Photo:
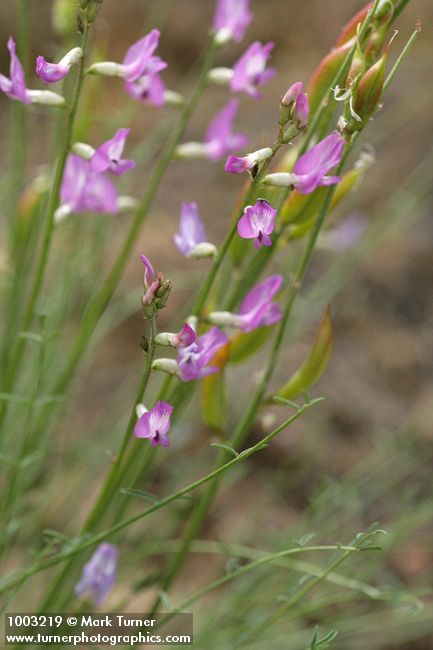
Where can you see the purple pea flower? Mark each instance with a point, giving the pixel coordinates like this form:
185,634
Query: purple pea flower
84,190
141,70
256,309
155,424
297,101
257,222
311,169
108,155
182,339
52,72
191,229
219,138
249,71
240,164
99,574
15,86
193,361
231,19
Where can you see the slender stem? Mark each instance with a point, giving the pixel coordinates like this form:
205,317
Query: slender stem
401,58
208,283
104,295
265,559
18,578
47,236
199,513
112,481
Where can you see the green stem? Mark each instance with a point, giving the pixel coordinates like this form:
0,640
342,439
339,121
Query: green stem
222,251
104,295
112,481
17,579
47,236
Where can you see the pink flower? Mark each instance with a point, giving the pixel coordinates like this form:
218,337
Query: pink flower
15,86
191,229
193,361
155,424
240,164
257,222
184,338
52,72
257,308
140,70
219,138
99,574
312,168
84,190
108,155
249,71
232,16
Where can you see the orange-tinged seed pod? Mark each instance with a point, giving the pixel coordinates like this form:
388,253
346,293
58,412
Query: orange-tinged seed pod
244,344
349,30
324,74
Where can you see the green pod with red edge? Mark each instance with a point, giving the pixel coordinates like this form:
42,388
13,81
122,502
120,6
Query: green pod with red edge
244,344
350,28
324,74
214,393
368,93
315,363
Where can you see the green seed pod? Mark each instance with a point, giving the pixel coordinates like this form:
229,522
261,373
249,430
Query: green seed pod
368,93
315,363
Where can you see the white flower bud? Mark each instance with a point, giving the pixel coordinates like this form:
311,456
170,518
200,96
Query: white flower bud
223,36
71,57
223,318
204,249
106,69
140,410
280,179
46,98
220,76
191,150
127,203
165,338
173,98
62,212
84,150
166,365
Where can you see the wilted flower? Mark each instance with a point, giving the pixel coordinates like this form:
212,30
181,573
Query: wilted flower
257,222
84,190
219,138
152,281
108,155
231,19
140,70
99,574
15,86
154,424
191,238
51,72
240,164
250,71
311,169
256,309
193,361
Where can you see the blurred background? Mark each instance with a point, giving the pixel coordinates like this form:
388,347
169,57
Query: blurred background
366,454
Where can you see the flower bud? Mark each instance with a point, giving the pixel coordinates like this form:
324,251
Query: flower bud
83,149
106,69
166,365
204,249
220,76
162,293
173,99
46,98
279,179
